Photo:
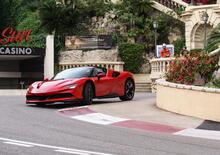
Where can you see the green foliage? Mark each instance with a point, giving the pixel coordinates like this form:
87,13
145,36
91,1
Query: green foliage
72,17
53,17
166,25
138,18
132,55
214,39
23,15
135,17
216,83
8,12
179,44
185,70
180,10
97,7
117,39
37,37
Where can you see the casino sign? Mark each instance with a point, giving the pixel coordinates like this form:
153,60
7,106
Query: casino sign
19,64
21,51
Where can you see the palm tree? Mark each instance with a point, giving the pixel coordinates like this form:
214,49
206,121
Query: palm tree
214,39
57,18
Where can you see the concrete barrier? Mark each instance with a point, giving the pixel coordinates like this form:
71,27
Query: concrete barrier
188,100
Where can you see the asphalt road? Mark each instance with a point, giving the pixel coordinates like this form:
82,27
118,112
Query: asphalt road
31,130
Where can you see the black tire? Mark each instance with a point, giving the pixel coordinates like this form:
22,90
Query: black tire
129,90
88,94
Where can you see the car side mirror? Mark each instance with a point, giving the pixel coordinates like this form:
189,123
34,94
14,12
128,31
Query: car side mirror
46,79
100,75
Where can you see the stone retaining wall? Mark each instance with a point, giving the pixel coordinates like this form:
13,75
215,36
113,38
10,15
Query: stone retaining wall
88,56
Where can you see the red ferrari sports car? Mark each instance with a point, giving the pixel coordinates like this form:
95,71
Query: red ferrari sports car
82,84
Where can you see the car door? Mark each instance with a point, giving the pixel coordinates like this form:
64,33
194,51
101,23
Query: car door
118,83
104,85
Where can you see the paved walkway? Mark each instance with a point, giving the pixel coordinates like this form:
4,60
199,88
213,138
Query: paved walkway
143,108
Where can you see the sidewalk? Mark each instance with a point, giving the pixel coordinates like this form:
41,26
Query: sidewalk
143,108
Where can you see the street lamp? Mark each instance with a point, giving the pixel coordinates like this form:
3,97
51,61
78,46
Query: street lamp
205,17
155,25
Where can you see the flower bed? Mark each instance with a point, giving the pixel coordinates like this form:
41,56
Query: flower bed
195,68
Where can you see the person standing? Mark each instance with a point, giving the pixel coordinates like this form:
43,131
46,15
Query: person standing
164,53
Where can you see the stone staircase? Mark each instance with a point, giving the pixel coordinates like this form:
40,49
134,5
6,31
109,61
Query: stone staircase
143,87
170,7
142,82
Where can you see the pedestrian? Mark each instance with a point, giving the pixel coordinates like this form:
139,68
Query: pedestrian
164,53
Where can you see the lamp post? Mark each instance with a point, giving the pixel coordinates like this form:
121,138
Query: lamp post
155,25
205,17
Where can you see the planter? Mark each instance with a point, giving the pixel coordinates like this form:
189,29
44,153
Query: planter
188,100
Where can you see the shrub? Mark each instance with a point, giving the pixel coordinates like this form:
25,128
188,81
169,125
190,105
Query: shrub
216,83
178,45
192,67
132,55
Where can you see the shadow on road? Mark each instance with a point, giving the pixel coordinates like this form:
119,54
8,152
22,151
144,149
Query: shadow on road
61,105
209,125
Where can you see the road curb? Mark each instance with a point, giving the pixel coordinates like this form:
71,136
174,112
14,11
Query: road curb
87,115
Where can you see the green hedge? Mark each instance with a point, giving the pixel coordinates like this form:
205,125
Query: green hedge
132,55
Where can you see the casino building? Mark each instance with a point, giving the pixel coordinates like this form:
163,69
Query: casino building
21,66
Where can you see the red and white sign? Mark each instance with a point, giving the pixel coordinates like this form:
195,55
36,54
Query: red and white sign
9,35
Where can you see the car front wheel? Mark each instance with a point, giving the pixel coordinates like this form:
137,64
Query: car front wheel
88,94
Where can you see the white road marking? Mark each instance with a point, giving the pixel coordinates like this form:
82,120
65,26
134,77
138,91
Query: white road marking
18,144
98,118
72,152
198,133
51,147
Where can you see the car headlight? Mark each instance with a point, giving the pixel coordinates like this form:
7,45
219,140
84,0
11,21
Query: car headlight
29,88
71,86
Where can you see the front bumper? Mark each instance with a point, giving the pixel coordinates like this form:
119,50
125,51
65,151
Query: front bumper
48,98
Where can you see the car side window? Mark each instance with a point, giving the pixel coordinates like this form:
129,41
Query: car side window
97,71
115,74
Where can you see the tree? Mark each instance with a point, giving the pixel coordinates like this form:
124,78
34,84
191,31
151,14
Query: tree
8,12
137,17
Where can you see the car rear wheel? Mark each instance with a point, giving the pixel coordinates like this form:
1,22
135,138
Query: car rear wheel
128,91
88,94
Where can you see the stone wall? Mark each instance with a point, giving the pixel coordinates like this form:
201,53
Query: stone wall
89,56
99,56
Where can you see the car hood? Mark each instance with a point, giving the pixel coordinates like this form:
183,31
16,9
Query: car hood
51,85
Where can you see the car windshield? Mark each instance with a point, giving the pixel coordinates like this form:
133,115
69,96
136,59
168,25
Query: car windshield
74,73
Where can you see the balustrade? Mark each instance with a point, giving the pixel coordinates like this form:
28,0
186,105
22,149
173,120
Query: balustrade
118,66
175,5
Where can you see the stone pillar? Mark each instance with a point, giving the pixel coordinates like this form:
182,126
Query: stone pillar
49,57
119,66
